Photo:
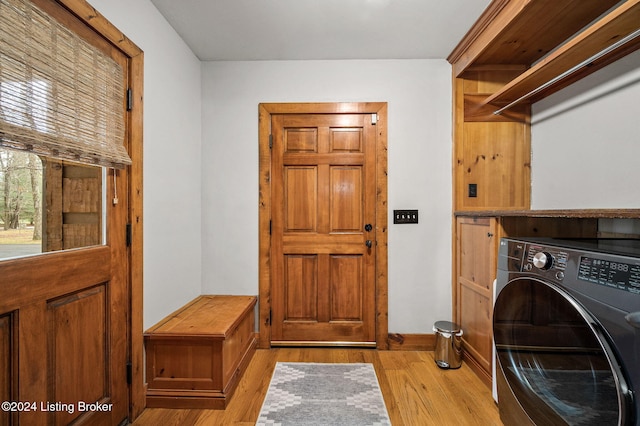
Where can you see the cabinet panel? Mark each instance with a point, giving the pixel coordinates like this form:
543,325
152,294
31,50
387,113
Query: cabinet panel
475,259
476,250
475,321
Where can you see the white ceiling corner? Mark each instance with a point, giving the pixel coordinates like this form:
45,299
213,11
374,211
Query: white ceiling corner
239,30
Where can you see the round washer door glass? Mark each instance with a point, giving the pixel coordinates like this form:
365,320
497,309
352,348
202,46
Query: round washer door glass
555,362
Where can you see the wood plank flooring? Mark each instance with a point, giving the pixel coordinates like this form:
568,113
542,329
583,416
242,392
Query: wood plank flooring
415,390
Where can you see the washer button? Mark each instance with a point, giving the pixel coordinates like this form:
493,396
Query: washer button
560,275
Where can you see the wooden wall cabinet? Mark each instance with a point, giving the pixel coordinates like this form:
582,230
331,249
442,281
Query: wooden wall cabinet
518,51
492,153
523,51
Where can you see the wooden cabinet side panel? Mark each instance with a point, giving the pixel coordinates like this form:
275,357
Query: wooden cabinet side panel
476,248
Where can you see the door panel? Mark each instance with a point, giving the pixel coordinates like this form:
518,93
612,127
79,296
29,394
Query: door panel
347,287
323,188
346,140
346,199
78,346
300,140
301,285
300,198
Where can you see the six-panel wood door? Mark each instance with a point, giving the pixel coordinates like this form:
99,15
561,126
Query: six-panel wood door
323,253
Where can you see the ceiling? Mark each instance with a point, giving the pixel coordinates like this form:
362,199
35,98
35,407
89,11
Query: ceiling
239,30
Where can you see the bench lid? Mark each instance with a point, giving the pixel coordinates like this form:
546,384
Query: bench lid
205,316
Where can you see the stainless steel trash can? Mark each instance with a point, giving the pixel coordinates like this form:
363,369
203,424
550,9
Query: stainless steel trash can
448,351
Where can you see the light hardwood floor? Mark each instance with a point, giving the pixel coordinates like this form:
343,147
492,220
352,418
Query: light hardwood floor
415,390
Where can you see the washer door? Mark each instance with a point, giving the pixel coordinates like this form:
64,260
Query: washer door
555,358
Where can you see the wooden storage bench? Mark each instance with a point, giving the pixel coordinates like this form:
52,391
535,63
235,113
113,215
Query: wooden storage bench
196,356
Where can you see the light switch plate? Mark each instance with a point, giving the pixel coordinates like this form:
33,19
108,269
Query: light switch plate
405,216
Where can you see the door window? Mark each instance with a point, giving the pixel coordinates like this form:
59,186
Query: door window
48,205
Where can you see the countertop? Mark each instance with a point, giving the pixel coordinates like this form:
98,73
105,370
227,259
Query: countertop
572,213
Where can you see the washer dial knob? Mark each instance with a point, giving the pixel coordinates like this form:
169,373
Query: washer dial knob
542,260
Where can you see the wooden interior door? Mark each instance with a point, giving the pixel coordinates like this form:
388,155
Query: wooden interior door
65,316
323,250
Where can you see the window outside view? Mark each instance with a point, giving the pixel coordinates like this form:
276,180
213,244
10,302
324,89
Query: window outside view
48,205
20,204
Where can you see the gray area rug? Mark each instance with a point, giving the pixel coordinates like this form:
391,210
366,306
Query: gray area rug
323,394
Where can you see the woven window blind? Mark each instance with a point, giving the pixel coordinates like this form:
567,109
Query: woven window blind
59,96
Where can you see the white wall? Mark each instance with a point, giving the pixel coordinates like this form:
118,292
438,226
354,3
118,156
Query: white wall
172,175
586,142
418,93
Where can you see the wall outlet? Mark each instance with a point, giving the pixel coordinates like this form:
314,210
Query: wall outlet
405,216
473,190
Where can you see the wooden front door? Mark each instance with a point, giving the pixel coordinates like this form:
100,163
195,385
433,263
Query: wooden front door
323,246
65,316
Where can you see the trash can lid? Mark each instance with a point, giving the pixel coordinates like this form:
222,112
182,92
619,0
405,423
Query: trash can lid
446,326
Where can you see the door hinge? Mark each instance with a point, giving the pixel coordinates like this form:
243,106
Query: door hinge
128,234
129,99
270,141
129,373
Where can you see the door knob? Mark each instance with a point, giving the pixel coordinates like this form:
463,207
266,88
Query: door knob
368,227
369,243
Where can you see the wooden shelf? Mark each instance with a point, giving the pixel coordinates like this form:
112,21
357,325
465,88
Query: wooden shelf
614,26
545,38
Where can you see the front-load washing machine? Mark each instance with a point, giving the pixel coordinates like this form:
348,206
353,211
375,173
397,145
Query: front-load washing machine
566,326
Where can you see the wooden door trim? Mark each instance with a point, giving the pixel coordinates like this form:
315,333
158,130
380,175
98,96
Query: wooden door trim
101,26
265,111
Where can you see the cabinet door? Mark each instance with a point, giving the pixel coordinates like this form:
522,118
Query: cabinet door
475,272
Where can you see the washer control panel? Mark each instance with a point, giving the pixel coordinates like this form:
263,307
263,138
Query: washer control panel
546,258
620,275
543,261
604,270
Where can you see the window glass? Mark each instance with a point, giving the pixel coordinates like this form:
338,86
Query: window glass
48,205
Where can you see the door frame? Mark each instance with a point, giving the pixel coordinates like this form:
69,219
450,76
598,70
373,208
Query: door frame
265,111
